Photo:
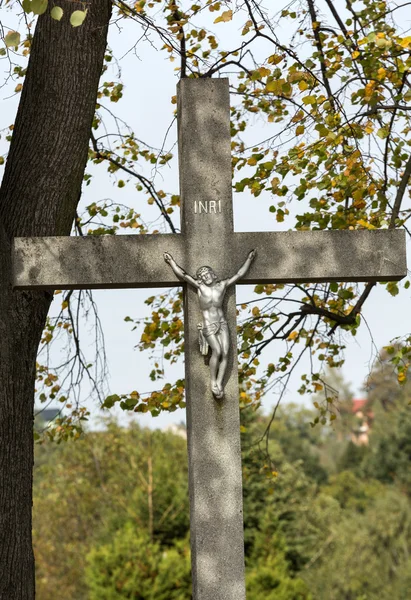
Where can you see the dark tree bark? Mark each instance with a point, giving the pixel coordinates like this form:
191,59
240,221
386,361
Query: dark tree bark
38,196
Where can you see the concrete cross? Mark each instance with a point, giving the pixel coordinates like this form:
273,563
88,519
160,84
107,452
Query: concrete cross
207,237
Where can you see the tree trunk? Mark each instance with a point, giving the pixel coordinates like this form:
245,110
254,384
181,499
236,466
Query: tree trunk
38,196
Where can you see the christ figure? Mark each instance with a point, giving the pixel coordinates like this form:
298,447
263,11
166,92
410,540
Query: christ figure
213,331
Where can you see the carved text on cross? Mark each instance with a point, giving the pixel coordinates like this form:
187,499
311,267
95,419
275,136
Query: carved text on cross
208,238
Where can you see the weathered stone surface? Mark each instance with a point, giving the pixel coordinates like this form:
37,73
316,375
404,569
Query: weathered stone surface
215,477
130,261
311,256
123,261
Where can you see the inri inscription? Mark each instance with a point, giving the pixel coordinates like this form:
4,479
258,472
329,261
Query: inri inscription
208,206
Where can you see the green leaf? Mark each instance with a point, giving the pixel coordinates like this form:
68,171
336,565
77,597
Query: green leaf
27,6
334,287
12,39
392,288
110,401
77,17
39,6
383,133
56,13
345,294
309,100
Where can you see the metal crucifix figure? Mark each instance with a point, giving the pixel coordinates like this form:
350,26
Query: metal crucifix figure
213,331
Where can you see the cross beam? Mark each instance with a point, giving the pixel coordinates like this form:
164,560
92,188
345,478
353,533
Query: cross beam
208,237
133,261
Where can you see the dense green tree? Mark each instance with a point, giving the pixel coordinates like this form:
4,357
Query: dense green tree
132,567
270,579
365,554
101,533
352,492
389,456
87,490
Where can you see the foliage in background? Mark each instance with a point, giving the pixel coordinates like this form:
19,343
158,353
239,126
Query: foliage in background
321,521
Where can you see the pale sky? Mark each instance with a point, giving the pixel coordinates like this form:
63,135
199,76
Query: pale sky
150,82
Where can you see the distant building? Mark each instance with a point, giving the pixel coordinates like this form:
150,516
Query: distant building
363,418
45,416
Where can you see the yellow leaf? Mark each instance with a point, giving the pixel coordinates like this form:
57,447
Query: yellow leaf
405,42
365,224
275,86
300,130
303,85
139,6
225,17
355,54
293,335
272,86
274,59
256,311
264,72
369,89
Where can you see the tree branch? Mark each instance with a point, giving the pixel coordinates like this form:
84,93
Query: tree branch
143,180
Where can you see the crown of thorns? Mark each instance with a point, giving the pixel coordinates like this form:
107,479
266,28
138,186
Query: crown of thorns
204,269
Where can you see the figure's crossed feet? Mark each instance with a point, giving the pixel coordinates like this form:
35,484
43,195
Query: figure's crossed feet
217,392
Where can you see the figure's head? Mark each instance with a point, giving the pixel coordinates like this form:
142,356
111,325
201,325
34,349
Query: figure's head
206,275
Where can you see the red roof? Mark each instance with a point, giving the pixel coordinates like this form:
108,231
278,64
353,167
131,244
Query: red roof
358,404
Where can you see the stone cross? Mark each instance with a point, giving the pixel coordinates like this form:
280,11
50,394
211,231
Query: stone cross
207,237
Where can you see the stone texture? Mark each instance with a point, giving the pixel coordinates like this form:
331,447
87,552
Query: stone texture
311,256
213,427
130,261
122,261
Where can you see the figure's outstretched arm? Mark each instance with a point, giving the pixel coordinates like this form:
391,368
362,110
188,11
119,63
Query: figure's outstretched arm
179,271
243,269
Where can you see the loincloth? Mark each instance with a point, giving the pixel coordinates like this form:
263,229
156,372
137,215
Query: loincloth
204,331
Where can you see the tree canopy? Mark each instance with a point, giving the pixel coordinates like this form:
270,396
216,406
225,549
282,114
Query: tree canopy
111,512
331,88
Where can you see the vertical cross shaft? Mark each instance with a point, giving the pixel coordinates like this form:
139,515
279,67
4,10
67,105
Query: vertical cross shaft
217,539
